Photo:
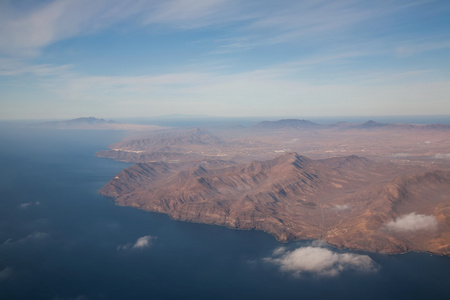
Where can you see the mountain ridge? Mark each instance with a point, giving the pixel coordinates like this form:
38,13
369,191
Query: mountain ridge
292,197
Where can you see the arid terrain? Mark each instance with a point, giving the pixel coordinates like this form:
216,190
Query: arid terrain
369,186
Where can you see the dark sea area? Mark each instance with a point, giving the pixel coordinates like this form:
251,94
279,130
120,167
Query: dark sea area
59,239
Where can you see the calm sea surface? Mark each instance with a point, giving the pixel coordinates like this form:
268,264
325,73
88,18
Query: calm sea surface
59,239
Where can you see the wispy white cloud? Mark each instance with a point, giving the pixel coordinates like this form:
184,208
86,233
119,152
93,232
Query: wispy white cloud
409,48
330,72
316,16
313,22
256,91
27,204
413,222
35,236
14,67
143,242
189,14
319,261
26,31
5,273
136,83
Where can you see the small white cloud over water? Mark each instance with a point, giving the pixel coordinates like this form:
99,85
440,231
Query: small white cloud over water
5,273
279,251
32,237
319,261
413,222
27,204
36,235
141,243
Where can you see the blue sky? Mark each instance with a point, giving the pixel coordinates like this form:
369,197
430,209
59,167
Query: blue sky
111,59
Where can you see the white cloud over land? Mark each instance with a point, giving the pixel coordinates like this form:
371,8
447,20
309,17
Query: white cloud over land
321,262
413,222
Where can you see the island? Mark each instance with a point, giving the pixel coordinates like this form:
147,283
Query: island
93,123
370,186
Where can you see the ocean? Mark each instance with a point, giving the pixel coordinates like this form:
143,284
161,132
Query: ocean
59,239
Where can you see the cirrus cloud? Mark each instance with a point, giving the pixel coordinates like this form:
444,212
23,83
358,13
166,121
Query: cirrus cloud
319,261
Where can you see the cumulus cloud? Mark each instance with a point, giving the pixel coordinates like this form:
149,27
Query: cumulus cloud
413,222
319,261
141,243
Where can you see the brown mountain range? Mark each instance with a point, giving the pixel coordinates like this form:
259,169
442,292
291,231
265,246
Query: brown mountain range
350,201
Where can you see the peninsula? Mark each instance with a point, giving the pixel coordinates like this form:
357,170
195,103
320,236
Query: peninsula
370,186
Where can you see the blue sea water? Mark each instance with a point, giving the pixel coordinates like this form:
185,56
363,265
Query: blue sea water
59,239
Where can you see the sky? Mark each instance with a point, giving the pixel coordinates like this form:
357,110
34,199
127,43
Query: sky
122,58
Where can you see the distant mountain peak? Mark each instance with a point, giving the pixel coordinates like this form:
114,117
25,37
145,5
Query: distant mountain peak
92,120
373,123
292,157
82,122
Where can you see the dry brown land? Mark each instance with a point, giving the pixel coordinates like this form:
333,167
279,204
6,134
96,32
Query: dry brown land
383,188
